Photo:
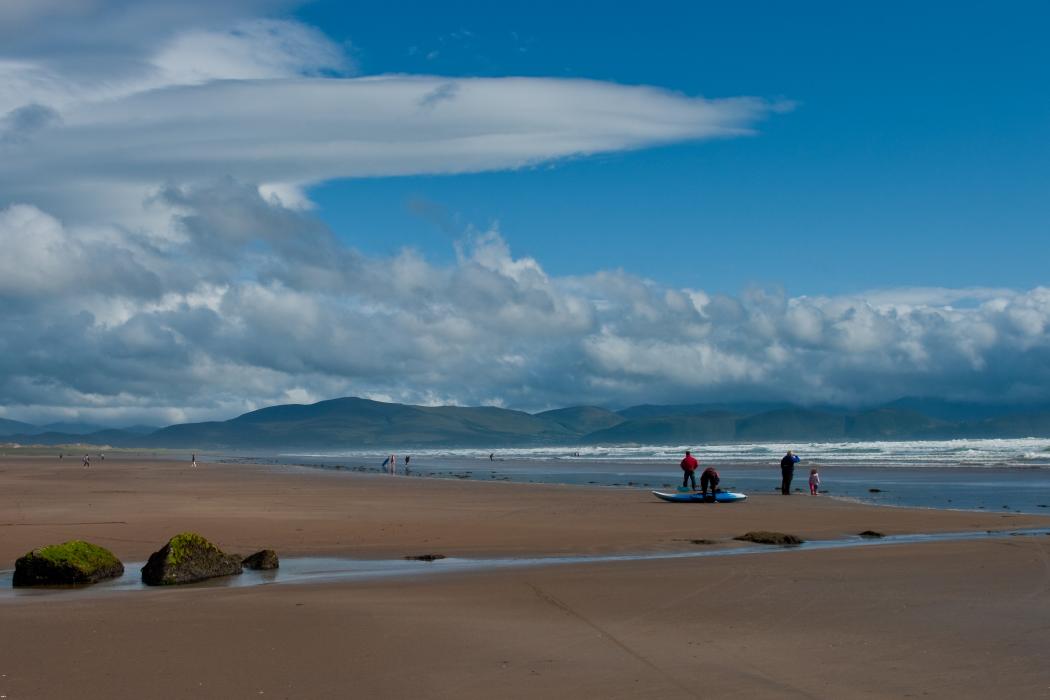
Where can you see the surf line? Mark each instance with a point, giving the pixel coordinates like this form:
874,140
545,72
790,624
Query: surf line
299,570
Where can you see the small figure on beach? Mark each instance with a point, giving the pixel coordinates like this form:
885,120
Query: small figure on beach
60,455
87,461
193,460
407,458
492,456
814,482
709,478
787,471
101,457
689,465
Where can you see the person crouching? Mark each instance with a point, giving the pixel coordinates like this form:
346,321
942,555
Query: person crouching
709,478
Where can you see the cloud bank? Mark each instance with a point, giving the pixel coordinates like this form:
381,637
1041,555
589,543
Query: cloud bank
160,262
257,304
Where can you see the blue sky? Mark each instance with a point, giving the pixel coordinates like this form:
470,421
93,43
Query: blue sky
208,207
916,155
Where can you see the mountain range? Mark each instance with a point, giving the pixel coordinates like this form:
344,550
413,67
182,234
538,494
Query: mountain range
347,423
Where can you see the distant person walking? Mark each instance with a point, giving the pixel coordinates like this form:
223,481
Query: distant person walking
193,460
689,465
87,461
814,482
787,471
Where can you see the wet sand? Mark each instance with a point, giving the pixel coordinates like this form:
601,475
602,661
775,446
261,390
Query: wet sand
962,619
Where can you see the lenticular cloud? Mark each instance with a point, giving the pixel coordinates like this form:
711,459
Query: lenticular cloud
306,130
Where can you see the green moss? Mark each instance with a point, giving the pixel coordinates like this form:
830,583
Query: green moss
186,543
78,554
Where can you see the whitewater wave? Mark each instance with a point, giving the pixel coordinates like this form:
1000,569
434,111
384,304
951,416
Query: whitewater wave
1027,452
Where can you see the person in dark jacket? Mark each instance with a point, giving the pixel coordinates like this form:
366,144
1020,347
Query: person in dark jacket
709,477
689,465
787,471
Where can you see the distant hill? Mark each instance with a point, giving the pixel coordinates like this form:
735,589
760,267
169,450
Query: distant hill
141,429
72,428
583,419
349,423
791,424
114,438
961,411
15,427
713,426
1036,423
697,409
354,422
893,424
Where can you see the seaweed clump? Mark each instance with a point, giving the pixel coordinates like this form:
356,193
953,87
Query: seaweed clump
768,537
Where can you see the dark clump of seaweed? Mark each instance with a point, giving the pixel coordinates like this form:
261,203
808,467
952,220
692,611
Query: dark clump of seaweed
871,533
768,537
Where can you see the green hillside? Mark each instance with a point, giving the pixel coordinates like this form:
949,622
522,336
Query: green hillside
354,422
791,424
582,419
675,430
349,423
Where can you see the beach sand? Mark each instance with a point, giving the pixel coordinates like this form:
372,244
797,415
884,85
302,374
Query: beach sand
961,619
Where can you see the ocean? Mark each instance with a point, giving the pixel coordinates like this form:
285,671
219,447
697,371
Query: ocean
989,475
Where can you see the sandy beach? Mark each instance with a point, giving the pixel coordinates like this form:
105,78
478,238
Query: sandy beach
959,619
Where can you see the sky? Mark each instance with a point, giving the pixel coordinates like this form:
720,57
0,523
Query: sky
207,208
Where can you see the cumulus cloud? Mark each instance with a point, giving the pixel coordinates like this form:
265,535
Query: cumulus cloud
254,304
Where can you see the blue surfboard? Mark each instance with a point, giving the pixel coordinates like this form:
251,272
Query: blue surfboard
695,497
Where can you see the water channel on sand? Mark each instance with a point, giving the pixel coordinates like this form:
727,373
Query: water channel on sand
296,570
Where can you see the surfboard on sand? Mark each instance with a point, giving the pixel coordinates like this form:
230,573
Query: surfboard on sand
696,497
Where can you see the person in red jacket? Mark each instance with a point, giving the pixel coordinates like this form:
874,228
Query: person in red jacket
709,477
689,465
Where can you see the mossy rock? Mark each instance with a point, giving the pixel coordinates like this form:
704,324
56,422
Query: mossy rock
262,560
68,563
767,537
186,558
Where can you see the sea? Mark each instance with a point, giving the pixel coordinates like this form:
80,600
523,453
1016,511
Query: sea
995,475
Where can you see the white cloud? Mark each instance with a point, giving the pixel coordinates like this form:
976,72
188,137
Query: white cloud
160,261
205,328
255,50
306,130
